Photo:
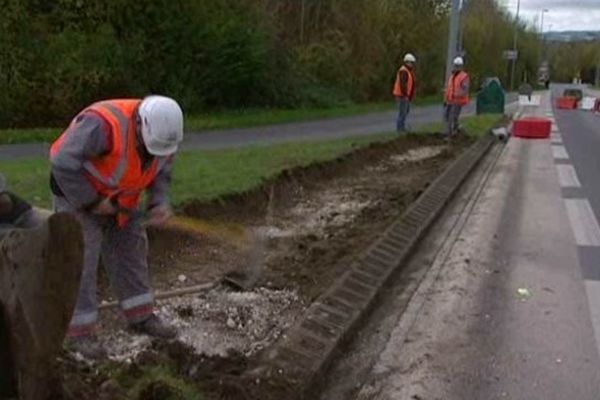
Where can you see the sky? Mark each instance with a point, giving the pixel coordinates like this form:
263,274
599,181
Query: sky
562,15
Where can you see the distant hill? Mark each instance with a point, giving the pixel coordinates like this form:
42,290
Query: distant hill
572,36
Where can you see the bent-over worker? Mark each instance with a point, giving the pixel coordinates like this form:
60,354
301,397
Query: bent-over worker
112,152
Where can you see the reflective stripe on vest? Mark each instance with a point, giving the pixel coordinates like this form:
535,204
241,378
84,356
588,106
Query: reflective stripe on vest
410,84
114,180
119,174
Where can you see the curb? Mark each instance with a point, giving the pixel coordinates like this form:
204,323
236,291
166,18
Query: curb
309,346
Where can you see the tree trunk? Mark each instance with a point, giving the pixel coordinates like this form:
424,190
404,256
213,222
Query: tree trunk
40,270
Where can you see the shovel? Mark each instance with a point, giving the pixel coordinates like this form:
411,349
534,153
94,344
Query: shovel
252,242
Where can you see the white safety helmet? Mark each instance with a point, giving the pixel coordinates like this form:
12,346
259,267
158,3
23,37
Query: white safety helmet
161,121
459,61
410,58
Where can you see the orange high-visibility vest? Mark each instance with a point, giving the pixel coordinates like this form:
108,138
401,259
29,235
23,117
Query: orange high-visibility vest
410,84
455,94
118,175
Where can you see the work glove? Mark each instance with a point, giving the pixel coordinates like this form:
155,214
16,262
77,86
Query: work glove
105,206
159,215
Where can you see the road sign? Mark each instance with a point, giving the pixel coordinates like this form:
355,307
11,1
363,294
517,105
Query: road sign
510,54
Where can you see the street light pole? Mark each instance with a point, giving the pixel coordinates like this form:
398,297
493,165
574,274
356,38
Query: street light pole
545,10
452,37
516,37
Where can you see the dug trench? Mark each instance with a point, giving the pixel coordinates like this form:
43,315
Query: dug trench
315,220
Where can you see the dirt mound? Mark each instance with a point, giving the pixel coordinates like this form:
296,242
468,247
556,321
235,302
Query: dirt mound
316,221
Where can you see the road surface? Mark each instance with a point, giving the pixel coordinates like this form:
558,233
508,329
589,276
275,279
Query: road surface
512,309
332,128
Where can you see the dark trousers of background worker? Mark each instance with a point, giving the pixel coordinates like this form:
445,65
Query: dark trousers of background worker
403,110
451,116
124,252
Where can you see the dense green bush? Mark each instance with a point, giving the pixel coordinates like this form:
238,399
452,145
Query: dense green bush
56,56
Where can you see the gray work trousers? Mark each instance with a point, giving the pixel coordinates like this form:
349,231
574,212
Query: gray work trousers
403,110
451,116
124,254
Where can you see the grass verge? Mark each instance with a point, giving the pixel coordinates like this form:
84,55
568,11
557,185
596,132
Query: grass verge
207,175
204,175
229,119
476,125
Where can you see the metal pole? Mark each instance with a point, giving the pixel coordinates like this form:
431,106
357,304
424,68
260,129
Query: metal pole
452,37
516,38
544,11
461,28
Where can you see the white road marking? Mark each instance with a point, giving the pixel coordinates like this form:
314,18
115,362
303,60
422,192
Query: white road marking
567,177
592,289
560,153
583,222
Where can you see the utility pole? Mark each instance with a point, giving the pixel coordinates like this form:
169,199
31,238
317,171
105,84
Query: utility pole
461,28
452,37
516,37
302,15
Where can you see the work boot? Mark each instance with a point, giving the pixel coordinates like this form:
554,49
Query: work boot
155,327
88,346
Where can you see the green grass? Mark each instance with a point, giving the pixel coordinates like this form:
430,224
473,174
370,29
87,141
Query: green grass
262,117
35,135
480,124
230,119
474,125
204,175
160,382
207,175
150,381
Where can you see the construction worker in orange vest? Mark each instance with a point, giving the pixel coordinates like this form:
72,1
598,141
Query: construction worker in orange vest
112,152
457,96
404,90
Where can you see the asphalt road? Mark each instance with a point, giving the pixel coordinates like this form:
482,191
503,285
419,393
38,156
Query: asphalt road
512,311
581,140
333,128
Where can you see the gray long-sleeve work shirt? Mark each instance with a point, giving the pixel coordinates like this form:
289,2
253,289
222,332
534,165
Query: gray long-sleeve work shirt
90,138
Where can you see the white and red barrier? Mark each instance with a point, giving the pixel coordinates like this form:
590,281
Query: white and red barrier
566,103
588,103
532,128
533,100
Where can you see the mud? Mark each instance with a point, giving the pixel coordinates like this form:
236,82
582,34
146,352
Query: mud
315,220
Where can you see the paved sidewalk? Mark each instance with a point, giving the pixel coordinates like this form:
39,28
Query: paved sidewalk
509,314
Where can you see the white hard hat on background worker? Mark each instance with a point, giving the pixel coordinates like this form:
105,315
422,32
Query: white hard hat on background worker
458,61
410,58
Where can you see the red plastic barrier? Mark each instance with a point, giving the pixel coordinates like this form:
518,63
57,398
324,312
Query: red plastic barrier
532,128
567,103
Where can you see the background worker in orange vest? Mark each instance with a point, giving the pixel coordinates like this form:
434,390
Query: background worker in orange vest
404,90
111,153
457,96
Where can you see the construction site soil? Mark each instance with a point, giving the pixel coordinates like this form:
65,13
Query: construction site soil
312,223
